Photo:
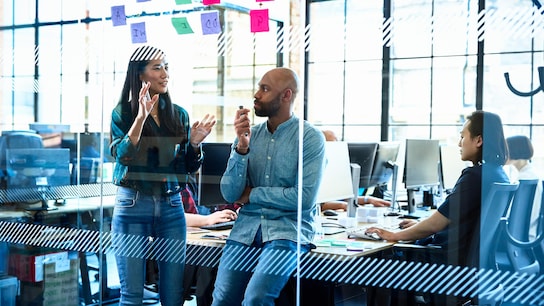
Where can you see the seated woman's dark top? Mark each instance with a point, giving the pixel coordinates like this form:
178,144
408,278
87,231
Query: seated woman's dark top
462,207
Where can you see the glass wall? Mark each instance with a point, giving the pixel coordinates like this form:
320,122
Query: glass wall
371,71
415,69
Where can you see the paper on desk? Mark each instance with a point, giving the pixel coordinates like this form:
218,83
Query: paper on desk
196,230
215,236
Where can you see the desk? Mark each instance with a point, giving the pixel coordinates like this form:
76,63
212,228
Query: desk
74,226
328,274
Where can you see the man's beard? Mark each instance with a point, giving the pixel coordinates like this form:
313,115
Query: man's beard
269,109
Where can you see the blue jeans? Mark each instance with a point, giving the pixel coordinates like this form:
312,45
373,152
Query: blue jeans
256,274
149,227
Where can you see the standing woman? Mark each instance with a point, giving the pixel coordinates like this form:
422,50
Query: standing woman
154,148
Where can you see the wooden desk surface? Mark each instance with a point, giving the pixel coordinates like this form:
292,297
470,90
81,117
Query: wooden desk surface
72,205
336,244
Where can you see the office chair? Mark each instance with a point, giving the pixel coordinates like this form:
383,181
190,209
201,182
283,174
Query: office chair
536,245
16,140
509,256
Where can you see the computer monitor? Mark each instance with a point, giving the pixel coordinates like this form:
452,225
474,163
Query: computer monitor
420,167
336,183
451,166
216,156
382,171
32,173
363,154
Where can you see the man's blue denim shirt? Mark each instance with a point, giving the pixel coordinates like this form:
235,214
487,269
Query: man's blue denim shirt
271,169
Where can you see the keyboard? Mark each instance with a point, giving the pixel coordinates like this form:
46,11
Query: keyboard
219,226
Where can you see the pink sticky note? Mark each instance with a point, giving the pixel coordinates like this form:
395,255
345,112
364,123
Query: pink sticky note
259,20
208,2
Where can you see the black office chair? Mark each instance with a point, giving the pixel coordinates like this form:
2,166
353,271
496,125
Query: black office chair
539,248
494,208
523,243
509,256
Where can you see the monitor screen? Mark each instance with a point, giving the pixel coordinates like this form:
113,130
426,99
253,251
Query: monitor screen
421,163
386,155
363,154
336,183
451,165
216,156
36,170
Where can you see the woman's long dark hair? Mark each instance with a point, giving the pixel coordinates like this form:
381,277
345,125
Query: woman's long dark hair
489,126
168,116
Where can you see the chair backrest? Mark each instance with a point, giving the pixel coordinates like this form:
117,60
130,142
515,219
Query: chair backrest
494,206
539,251
16,140
519,215
519,223
22,140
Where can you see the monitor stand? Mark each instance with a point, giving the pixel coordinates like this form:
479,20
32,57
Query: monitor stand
412,205
44,206
395,206
355,178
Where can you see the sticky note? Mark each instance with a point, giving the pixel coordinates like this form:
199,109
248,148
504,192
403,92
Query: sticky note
259,20
137,32
181,25
178,2
339,243
142,0
118,16
210,23
208,2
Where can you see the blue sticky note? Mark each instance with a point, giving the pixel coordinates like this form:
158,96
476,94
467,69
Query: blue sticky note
142,0
118,17
137,32
210,23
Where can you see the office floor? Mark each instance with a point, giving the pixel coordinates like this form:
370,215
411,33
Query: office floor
113,280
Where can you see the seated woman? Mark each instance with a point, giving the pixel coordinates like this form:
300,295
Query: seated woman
520,150
457,220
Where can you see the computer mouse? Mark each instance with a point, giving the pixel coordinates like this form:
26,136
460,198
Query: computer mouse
329,213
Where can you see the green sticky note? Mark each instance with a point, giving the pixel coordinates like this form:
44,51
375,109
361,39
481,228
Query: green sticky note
339,243
181,25
184,2
322,243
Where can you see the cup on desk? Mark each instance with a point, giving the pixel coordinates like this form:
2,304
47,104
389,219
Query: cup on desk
367,214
